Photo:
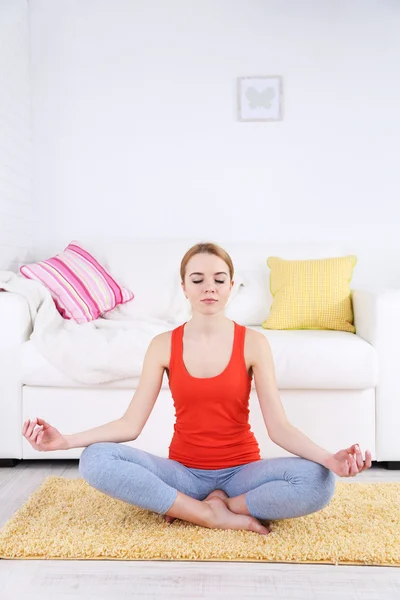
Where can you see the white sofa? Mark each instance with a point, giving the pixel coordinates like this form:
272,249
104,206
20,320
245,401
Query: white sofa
339,388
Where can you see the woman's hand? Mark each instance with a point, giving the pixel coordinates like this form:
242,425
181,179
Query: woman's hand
349,462
44,437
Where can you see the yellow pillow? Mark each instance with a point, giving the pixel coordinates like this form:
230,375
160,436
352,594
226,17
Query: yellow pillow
311,294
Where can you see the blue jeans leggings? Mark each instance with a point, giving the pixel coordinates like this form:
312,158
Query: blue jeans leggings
275,488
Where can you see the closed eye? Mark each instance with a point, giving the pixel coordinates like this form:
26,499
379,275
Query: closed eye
200,280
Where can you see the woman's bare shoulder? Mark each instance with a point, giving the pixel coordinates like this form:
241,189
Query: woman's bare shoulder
162,343
254,342
251,335
254,335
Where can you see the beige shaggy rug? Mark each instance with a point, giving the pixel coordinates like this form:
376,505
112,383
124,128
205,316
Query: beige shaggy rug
68,519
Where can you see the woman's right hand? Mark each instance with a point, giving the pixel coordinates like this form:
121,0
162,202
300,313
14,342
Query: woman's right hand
44,437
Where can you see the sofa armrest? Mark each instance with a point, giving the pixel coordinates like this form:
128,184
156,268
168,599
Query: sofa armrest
15,320
377,320
15,329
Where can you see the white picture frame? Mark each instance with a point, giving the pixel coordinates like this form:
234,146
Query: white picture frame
260,98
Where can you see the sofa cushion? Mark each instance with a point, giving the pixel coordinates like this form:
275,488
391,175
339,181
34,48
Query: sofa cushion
306,359
80,286
311,294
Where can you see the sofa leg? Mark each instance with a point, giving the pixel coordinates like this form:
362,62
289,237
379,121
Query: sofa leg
393,465
8,462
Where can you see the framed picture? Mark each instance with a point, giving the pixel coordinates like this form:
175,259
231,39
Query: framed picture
260,98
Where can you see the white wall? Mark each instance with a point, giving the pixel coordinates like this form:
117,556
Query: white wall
135,129
17,218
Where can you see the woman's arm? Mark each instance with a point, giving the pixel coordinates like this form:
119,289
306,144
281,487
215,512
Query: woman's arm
45,437
119,430
293,440
280,430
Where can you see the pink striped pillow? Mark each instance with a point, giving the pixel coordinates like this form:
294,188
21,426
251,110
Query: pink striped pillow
81,288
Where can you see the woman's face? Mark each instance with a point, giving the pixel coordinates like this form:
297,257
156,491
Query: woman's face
207,277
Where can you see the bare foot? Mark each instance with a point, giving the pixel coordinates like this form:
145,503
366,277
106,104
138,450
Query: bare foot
223,518
214,493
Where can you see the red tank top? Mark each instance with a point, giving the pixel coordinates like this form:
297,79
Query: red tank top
211,429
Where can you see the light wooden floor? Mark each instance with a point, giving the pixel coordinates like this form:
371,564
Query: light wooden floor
120,580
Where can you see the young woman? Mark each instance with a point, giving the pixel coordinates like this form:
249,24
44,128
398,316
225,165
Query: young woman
214,475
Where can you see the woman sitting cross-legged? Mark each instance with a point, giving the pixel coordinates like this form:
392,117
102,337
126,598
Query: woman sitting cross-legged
214,475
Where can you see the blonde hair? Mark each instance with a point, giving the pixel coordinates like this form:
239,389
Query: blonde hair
206,248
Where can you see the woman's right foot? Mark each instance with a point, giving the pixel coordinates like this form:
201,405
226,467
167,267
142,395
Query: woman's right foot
222,518
214,493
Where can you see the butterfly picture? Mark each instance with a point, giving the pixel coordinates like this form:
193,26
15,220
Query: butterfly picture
260,98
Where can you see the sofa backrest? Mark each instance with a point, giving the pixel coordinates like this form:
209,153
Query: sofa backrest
150,268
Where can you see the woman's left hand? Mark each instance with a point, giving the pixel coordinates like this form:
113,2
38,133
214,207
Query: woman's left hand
349,462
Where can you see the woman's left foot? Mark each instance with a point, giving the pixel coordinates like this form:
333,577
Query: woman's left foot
219,493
